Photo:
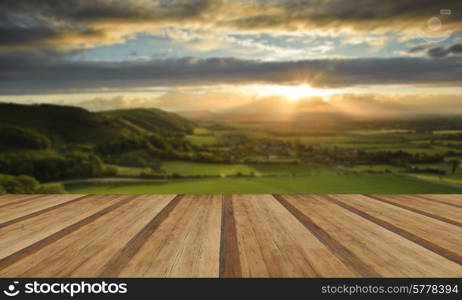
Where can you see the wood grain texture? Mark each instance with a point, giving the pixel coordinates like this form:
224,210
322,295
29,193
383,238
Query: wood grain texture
453,200
272,243
437,210
90,245
7,200
122,257
38,245
230,236
29,231
390,254
343,253
440,237
185,244
35,205
230,265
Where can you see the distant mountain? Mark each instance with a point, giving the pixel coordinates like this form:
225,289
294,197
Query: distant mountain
198,114
277,105
311,110
153,120
77,125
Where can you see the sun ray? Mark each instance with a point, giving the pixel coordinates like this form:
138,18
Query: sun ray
292,93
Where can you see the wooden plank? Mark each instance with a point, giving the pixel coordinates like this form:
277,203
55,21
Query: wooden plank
7,197
273,243
390,254
453,200
22,234
92,245
120,259
39,211
437,236
29,250
6,200
429,208
230,265
343,254
32,205
185,244
230,236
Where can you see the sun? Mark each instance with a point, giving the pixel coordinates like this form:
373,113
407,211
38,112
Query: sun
293,93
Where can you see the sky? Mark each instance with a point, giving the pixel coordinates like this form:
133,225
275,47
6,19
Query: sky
219,55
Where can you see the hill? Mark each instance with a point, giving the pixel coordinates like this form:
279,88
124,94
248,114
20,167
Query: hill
153,120
51,142
76,125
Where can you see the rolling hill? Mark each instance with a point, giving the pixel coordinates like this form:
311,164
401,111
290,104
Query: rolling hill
151,120
67,124
50,142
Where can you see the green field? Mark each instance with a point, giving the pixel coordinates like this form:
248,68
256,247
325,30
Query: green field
185,168
317,184
205,169
223,170
448,179
202,139
368,140
447,131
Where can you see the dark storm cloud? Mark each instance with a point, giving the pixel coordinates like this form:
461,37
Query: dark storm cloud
44,20
14,35
418,49
17,38
38,38
439,52
92,22
360,15
40,74
103,10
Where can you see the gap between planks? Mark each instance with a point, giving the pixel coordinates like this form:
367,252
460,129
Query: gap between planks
42,211
423,241
229,265
342,253
14,257
119,261
423,211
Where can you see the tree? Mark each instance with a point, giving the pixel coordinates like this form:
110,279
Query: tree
50,189
454,164
23,138
27,185
156,167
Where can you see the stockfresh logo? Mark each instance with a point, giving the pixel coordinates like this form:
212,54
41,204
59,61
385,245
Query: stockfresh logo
12,290
434,30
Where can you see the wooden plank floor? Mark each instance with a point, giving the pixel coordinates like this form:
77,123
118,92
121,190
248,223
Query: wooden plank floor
231,236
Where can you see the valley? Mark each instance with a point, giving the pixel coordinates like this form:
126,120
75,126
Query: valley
151,151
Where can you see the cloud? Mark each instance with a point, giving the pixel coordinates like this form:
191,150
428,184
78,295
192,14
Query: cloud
171,101
438,52
116,102
419,48
65,39
359,15
379,105
89,23
358,105
21,74
29,23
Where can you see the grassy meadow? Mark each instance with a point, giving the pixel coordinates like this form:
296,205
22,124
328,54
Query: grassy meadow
317,184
